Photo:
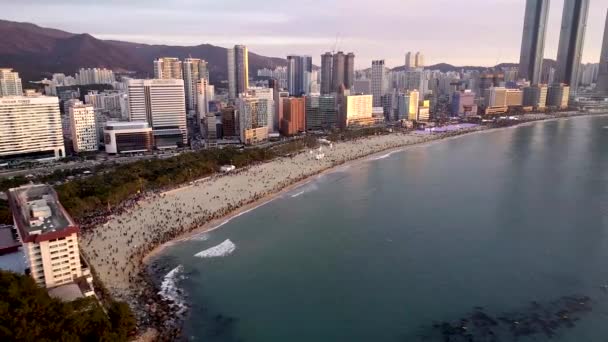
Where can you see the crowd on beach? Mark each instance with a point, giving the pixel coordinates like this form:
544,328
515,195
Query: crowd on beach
116,240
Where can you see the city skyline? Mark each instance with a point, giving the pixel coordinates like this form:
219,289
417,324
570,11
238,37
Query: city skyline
272,30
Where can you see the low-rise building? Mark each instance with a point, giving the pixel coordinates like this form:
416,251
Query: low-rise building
128,137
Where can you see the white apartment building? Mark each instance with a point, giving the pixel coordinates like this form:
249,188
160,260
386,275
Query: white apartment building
168,68
83,127
160,103
114,103
268,95
48,234
195,69
95,76
30,126
10,83
359,110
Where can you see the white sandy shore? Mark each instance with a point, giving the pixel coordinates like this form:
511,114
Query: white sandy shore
117,249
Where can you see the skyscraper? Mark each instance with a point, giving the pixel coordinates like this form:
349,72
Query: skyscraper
533,40
161,103
194,70
337,75
378,82
83,127
326,73
168,68
602,78
10,83
299,71
349,70
571,40
410,60
238,70
419,60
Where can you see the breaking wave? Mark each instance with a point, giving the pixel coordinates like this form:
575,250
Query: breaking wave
170,290
200,237
223,249
384,156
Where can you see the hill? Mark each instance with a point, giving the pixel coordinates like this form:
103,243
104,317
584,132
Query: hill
37,52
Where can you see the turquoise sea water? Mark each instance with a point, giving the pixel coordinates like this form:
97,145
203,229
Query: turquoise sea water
493,228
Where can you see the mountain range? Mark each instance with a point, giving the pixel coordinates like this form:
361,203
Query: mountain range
37,52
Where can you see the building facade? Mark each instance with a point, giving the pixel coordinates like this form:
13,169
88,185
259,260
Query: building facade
48,234
378,82
558,95
463,104
238,70
299,72
358,110
83,127
326,73
294,116
95,76
128,137
252,114
168,68
571,41
160,103
535,96
10,83
194,70
30,127
533,40
602,77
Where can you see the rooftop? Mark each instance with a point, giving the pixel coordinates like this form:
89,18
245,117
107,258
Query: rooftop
37,211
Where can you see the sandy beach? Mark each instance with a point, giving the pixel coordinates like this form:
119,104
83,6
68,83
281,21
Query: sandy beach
118,248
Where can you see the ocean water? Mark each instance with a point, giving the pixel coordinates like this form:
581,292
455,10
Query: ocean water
499,236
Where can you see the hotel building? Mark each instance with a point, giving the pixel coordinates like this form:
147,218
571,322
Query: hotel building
30,126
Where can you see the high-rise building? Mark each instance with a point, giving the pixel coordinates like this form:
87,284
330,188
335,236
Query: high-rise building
412,109
49,236
314,119
168,68
238,70
535,96
299,72
268,95
496,97
358,110
327,110
558,95
378,82
602,77
326,73
10,83
229,122
338,72
95,76
30,126
419,60
252,119
195,69
571,41
410,60
160,103
294,116
514,97
363,87
83,127
349,70
533,40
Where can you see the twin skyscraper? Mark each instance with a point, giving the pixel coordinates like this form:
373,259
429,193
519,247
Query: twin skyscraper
571,41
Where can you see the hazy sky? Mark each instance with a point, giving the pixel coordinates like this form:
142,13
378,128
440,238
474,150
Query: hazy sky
460,32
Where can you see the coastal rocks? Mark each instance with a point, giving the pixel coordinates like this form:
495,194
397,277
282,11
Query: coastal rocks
536,320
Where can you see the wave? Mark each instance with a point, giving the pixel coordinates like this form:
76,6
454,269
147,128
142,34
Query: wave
306,187
171,291
200,237
223,249
384,156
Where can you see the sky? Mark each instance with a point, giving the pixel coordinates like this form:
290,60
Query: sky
459,32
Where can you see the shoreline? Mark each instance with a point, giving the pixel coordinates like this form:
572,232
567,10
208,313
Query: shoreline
219,222
164,219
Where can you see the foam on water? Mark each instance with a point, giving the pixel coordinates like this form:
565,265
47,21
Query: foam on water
384,156
200,237
307,187
223,249
170,290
